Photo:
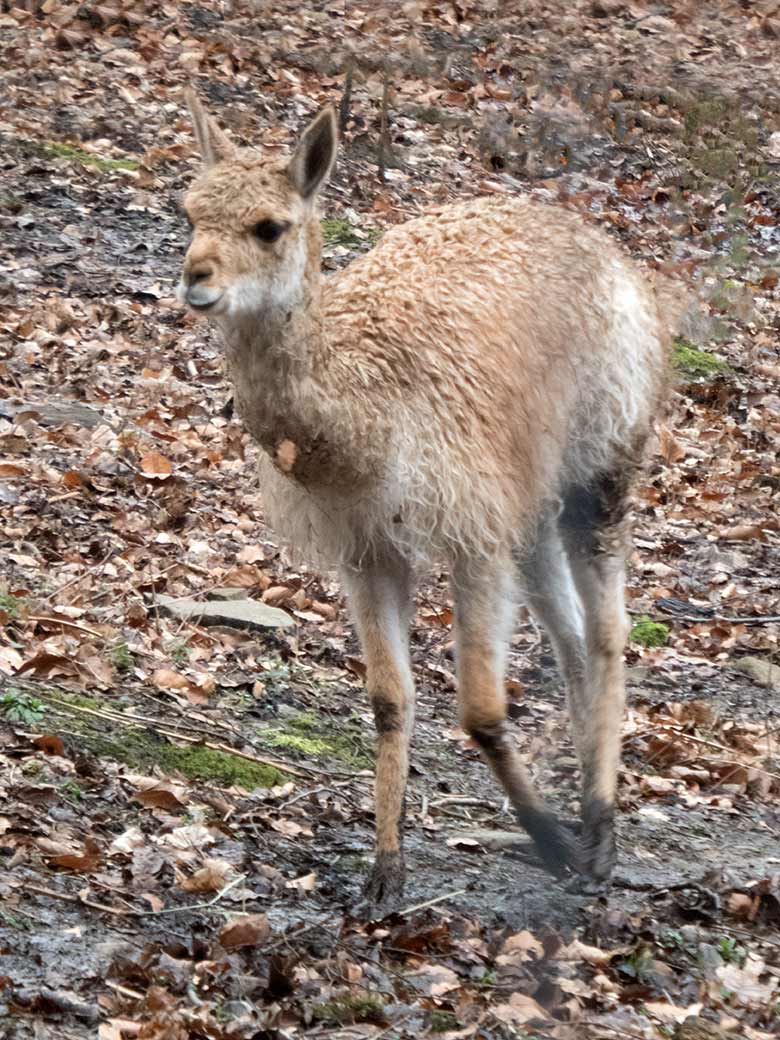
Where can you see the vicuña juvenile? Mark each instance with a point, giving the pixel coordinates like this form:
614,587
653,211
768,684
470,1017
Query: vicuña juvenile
477,389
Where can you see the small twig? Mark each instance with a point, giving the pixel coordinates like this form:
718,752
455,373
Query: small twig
346,97
124,990
754,619
396,1025
54,894
80,577
432,902
287,938
193,906
66,623
743,933
383,133
612,1029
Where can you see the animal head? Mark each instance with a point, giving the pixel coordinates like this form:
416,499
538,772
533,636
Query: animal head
254,224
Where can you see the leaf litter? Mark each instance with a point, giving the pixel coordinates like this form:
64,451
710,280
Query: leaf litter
173,865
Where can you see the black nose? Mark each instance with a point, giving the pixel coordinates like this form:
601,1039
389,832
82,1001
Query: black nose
199,273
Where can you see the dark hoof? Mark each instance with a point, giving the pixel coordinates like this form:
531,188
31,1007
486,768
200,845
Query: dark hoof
599,852
556,845
384,887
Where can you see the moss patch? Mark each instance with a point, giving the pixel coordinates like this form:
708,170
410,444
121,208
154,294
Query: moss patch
649,633
693,363
144,750
317,737
358,1007
338,231
59,150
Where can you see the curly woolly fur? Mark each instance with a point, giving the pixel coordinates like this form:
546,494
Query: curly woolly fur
481,359
477,362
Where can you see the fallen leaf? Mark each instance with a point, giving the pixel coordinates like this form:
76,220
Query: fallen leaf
155,466
248,930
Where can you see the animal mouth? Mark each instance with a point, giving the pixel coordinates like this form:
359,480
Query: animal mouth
202,297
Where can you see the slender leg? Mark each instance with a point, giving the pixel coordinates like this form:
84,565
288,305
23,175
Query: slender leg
380,595
484,600
595,533
549,590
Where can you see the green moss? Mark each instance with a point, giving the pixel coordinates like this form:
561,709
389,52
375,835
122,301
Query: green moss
202,763
442,1021
121,658
696,364
339,232
10,605
351,1008
71,791
60,150
649,633
429,114
718,163
79,700
144,749
317,737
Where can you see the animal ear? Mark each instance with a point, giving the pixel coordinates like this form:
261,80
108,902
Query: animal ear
213,143
313,159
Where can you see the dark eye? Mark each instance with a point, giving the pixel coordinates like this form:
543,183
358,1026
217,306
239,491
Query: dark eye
268,230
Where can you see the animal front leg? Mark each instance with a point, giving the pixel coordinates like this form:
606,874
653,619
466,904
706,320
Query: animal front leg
379,595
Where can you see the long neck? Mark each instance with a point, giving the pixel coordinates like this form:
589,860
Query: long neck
278,362
285,342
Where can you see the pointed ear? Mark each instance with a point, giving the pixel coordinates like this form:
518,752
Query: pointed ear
313,159
213,143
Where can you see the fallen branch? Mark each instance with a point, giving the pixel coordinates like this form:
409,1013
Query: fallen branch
54,894
432,902
193,906
755,619
66,623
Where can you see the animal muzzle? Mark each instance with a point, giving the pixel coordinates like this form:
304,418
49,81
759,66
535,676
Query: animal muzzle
200,297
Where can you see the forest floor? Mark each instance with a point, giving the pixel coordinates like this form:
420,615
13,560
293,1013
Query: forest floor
186,814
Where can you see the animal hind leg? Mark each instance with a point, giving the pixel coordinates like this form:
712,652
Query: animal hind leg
594,528
484,610
379,592
552,597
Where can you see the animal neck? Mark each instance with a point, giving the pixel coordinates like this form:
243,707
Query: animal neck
281,346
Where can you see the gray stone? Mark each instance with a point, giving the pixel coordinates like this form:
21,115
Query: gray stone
761,670
52,413
227,594
243,613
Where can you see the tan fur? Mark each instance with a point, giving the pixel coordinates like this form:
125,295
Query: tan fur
487,367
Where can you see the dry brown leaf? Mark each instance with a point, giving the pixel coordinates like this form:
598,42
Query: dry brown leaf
80,862
212,877
248,930
519,1010
167,679
306,883
433,979
155,466
161,796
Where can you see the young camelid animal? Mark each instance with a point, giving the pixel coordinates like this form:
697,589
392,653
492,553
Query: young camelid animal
477,389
